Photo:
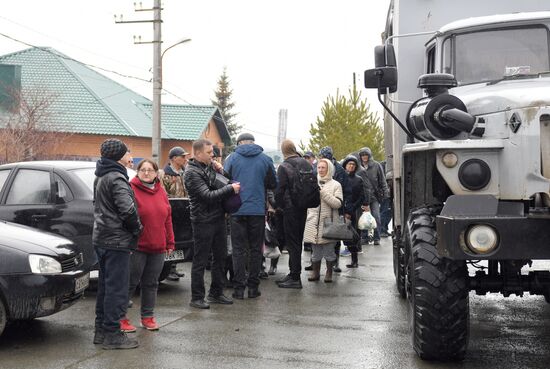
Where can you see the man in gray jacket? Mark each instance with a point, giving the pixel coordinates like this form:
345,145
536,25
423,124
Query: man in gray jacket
115,234
373,174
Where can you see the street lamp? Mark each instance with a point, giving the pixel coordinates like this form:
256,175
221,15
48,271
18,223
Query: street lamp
157,90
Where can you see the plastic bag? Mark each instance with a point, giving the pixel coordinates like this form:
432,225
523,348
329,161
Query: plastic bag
271,252
366,222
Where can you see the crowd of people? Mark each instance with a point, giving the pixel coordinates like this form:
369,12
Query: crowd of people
133,222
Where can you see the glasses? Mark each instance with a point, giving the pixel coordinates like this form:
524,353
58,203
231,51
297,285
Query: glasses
147,171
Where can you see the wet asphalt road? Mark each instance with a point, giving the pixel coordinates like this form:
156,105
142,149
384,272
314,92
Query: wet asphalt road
358,321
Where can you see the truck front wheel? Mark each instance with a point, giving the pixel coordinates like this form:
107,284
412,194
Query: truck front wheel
438,293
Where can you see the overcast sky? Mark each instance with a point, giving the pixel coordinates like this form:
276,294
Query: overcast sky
285,54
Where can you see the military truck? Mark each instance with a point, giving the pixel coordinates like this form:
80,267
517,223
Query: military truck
467,137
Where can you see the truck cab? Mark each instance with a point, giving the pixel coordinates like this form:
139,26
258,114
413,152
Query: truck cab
467,134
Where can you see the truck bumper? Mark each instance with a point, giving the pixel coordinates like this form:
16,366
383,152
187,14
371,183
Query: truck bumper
520,236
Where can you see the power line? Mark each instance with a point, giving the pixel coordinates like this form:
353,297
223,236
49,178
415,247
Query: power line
74,60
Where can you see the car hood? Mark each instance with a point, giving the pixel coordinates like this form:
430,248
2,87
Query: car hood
33,241
482,99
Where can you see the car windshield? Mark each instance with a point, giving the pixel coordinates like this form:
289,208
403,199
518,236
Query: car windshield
87,175
490,56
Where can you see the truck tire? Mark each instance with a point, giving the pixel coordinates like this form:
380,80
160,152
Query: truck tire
438,294
3,316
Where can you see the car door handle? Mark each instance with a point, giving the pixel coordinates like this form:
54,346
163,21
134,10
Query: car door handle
37,217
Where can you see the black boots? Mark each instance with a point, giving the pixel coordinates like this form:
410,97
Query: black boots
118,341
354,261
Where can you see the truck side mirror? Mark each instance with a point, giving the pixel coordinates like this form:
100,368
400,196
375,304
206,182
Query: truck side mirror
384,56
382,78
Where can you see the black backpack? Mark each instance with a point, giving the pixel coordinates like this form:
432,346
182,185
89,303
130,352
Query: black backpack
304,189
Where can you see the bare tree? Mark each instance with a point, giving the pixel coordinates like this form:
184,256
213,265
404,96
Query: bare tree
28,129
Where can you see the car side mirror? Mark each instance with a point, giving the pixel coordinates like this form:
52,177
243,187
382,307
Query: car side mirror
383,78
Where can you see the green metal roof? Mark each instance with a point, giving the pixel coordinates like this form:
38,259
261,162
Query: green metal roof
85,101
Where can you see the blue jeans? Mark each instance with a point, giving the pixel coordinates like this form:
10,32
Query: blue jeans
112,288
385,215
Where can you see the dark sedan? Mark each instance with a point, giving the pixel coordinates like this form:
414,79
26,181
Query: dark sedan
40,273
57,196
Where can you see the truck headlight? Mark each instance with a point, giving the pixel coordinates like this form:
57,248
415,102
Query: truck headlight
41,264
481,239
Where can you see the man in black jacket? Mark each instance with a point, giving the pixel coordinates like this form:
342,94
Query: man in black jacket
208,221
294,218
115,234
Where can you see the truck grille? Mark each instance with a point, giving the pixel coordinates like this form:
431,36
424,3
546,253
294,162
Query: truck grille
72,263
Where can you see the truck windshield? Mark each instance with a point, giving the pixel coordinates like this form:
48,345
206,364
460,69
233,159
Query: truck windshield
498,54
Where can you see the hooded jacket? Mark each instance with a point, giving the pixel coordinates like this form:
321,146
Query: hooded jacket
256,173
359,189
116,220
155,214
331,201
205,199
374,174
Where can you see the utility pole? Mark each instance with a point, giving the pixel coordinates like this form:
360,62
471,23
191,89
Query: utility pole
157,71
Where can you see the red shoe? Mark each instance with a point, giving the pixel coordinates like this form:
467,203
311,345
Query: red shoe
149,324
126,326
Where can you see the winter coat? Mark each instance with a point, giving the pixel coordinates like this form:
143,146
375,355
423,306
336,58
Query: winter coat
359,189
116,220
256,173
172,182
331,201
287,175
205,199
341,176
374,174
155,214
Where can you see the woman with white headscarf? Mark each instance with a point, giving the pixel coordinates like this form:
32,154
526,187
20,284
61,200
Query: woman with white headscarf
331,201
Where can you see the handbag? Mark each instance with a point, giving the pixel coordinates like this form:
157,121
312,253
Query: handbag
337,229
233,202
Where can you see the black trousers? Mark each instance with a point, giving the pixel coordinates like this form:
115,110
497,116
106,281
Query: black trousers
294,223
247,239
112,288
209,238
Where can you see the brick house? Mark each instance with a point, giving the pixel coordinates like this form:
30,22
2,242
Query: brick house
86,107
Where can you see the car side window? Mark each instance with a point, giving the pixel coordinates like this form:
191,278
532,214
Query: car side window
30,187
64,194
4,174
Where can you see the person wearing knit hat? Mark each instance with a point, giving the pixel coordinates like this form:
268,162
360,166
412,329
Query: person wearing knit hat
294,217
113,149
115,234
255,171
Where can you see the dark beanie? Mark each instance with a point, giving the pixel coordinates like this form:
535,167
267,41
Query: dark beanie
245,137
113,149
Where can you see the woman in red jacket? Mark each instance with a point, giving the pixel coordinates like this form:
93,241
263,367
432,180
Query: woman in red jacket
155,241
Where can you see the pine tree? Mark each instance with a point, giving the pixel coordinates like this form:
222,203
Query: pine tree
225,104
347,124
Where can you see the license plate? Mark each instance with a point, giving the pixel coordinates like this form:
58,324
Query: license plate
175,255
81,283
